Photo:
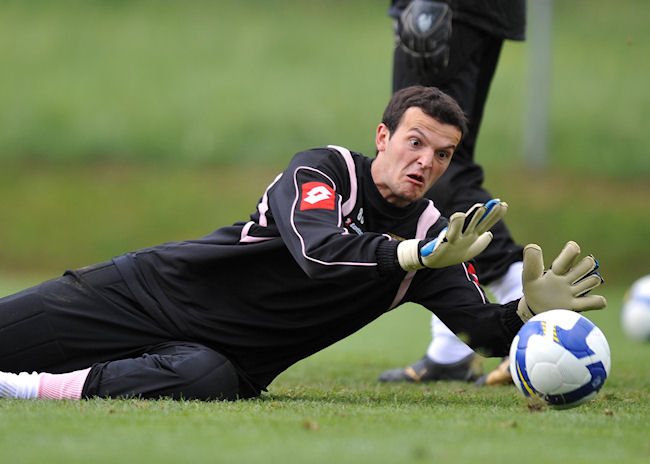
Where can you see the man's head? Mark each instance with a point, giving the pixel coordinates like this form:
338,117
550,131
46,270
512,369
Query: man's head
431,100
420,130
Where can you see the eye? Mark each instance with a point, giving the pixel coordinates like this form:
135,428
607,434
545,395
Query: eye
444,154
415,142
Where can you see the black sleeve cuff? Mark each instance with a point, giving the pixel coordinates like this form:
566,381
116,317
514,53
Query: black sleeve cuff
387,263
511,320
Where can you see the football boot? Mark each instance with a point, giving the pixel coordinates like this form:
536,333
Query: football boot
499,376
468,369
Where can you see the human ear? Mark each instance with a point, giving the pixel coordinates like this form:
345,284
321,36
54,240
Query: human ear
382,136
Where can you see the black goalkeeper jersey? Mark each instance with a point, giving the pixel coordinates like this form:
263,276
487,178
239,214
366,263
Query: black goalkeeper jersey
315,263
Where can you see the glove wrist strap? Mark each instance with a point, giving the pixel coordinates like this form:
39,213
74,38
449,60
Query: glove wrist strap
523,310
408,255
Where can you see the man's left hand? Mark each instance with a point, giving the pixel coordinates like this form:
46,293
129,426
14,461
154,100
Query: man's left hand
564,286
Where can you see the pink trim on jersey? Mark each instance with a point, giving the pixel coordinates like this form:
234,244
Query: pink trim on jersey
471,279
263,205
295,229
428,218
262,208
348,206
245,238
62,386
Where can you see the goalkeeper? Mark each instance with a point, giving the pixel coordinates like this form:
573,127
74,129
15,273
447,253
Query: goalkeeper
336,240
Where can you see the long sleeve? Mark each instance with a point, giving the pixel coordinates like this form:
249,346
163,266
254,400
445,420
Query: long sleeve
454,295
306,205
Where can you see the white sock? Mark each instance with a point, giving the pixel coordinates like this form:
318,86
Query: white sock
508,287
21,386
446,347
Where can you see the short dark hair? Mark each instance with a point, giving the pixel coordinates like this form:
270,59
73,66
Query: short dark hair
430,100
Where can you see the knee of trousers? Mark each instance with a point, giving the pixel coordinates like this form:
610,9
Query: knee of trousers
207,375
181,370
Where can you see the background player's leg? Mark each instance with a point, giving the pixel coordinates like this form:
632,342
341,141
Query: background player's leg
445,341
457,190
472,63
473,59
447,358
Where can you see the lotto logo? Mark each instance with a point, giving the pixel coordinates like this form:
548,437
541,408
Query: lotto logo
317,195
472,272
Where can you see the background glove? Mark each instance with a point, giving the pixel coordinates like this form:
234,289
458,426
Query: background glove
455,244
563,286
423,32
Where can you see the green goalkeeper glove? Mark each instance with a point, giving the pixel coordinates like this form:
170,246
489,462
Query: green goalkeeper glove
563,286
454,244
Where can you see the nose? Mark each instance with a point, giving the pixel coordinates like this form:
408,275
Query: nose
425,160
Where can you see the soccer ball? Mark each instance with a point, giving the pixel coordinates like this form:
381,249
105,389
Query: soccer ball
560,357
635,313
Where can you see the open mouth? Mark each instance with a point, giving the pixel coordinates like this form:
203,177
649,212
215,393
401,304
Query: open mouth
416,178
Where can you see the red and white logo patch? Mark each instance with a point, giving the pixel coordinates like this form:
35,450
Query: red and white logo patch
317,195
472,272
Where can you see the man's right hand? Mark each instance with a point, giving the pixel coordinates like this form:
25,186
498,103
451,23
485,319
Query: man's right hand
457,243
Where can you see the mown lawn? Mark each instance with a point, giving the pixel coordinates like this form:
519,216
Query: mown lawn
329,408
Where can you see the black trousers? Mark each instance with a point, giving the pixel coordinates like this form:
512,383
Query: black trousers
89,318
472,62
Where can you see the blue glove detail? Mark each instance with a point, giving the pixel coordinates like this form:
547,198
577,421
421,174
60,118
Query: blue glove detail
597,263
593,272
460,241
489,205
427,249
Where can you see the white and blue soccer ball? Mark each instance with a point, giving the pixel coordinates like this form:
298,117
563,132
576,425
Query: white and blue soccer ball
560,357
635,312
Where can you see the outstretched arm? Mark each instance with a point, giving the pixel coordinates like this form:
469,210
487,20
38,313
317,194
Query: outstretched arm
454,296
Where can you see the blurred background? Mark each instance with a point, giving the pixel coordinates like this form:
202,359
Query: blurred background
128,124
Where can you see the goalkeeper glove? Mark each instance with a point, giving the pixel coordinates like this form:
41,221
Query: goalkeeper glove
563,286
453,245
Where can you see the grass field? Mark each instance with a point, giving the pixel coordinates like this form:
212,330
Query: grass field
127,124
329,408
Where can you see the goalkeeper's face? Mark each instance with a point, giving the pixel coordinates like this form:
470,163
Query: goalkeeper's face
410,160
